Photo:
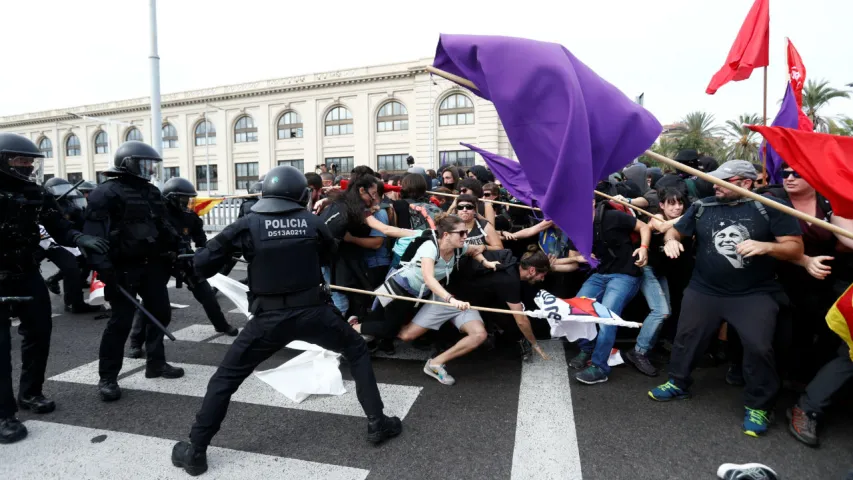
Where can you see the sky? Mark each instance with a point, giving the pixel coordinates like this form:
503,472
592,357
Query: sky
71,53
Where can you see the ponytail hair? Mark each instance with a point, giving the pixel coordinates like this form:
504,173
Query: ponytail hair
536,258
445,223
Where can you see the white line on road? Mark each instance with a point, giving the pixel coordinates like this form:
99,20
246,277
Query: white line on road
546,443
398,399
67,451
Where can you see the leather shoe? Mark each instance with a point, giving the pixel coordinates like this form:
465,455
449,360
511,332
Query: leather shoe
36,404
189,457
165,371
53,286
381,428
231,331
12,430
109,390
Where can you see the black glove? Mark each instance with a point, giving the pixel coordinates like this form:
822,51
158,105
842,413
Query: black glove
96,244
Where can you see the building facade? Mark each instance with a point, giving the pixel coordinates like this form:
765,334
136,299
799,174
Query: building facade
374,116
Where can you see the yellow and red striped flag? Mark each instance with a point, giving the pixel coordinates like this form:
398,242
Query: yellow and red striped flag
202,205
840,318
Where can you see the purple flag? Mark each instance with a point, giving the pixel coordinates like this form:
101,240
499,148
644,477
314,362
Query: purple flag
569,127
787,117
509,173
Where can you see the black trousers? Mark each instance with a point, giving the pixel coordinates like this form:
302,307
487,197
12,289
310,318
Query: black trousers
72,284
266,334
386,322
830,379
36,326
149,281
754,318
203,293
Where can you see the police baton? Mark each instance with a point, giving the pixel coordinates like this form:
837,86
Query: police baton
191,255
69,191
16,299
147,314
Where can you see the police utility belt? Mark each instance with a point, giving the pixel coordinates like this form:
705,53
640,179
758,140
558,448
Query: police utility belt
312,297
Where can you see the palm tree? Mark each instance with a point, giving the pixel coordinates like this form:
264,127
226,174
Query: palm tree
817,95
844,126
744,144
698,131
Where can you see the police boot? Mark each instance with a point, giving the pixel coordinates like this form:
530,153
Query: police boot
231,331
381,428
53,285
135,351
189,457
12,430
109,390
165,371
36,404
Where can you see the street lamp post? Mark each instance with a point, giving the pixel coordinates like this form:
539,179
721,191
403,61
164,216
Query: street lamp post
207,141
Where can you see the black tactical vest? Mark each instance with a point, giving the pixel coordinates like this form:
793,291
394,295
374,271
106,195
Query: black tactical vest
19,228
286,249
136,236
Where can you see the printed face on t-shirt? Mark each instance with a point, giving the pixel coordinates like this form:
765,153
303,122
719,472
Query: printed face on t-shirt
727,240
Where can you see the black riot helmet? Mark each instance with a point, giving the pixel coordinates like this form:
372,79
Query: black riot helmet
86,187
136,158
20,158
285,188
179,191
58,187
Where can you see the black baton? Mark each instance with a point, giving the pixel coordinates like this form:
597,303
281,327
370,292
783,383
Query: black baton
147,314
16,299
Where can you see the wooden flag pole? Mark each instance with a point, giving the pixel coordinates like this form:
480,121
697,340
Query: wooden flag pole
746,193
415,300
644,212
764,162
453,195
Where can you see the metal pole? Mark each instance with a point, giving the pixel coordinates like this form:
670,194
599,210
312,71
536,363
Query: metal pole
56,146
207,150
432,161
156,117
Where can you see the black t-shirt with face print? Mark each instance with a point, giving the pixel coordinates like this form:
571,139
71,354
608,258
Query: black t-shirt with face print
720,270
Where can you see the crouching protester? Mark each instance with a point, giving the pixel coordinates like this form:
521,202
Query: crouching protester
428,260
738,241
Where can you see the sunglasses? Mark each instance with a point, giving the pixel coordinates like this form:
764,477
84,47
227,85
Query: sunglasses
465,206
462,233
788,173
487,195
464,190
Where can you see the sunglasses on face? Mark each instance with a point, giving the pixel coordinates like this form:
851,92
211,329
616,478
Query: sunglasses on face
466,206
487,195
462,233
788,173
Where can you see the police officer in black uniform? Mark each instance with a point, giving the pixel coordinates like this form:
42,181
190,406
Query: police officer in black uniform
23,206
285,245
71,206
178,192
245,209
131,213
86,188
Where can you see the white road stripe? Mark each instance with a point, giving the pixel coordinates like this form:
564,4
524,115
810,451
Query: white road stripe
89,373
235,310
398,399
195,333
546,443
178,305
68,451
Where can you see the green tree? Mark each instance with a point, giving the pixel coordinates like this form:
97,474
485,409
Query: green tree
698,131
816,96
843,126
744,142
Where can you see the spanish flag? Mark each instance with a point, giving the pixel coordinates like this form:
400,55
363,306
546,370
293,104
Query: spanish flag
202,205
840,318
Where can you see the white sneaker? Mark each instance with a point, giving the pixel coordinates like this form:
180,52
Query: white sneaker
439,373
747,471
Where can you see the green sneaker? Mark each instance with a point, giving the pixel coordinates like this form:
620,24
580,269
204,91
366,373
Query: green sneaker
668,391
755,421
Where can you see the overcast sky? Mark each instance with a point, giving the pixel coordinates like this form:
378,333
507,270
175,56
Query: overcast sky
60,53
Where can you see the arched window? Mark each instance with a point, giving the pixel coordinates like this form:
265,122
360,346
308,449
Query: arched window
245,130
46,147
205,134
72,146
102,143
457,109
392,116
289,126
170,136
133,134
338,122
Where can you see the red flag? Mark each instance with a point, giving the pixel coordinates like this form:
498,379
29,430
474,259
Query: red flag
823,160
751,48
797,76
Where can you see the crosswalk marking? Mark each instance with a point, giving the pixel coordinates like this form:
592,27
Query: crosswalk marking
68,451
546,443
398,399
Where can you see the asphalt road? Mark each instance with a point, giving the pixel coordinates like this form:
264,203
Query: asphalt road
503,419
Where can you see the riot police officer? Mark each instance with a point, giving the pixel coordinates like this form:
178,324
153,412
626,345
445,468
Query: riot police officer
86,188
130,212
178,192
285,245
23,206
248,203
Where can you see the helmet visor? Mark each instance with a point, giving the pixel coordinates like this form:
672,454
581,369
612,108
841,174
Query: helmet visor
149,169
26,168
79,201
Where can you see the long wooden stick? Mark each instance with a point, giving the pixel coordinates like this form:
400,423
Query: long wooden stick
453,78
764,162
746,193
644,212
415,300
490,201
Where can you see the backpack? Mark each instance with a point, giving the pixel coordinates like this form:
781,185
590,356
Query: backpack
422,215
713,203
599,215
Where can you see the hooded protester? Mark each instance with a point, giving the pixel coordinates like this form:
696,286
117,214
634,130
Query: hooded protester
482,174
654,174
636,176
706,188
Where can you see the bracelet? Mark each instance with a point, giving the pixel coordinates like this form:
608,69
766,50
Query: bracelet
449,298
644,246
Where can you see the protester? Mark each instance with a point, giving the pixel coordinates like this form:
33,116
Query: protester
480,232
450,179
738,244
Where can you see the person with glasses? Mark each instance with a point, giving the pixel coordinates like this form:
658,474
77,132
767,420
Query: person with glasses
422,277
744,294
480,232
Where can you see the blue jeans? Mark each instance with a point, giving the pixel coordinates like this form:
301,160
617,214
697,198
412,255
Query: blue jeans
614,291
340,300
656,291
